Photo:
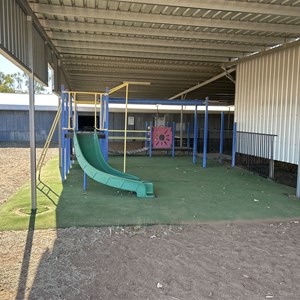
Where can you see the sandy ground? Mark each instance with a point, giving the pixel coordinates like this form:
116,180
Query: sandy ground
209,261
220,261
15,167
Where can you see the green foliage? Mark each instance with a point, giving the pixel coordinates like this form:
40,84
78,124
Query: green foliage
10,83
18,83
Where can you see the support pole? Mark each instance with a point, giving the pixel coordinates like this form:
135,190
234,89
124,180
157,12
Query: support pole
63,165
59,133
146,137
205,134
222,135
233,145
84,181
188,142
151,140
181,127
271,169
173,139
195,136
105,119
68,124
31,115
298,178
125,128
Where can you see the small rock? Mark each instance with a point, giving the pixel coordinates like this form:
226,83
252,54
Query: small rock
255,200
246,276
269,297
152,236
159,285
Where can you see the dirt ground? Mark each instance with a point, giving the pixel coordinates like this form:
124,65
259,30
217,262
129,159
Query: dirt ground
208,261
15,166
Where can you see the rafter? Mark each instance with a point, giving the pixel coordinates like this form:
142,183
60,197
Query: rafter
223,5
151,42
120,53
138,65
68,11
142,31
147,49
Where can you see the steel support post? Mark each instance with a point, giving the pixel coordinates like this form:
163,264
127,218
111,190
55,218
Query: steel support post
173,139
298,178
233,145
195,135
205,134
222,135
31,115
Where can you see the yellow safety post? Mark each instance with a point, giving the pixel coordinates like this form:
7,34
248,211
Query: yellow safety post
126,84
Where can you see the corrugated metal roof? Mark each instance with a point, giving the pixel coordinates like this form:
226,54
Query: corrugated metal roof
173,44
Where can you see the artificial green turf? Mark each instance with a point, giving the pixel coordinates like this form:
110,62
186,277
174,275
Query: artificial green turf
186,193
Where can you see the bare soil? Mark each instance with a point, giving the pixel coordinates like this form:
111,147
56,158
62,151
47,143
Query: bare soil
15,166
209,261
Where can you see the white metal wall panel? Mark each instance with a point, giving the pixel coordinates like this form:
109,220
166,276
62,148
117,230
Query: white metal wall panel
268,100
13,31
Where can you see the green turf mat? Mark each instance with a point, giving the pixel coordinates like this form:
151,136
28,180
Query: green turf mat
186,193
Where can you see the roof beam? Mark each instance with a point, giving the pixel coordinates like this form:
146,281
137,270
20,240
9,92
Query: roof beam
223,5
134,76
137,66
202,84
148,49
79,26
151,42
107,70
68,11
145,61
119,53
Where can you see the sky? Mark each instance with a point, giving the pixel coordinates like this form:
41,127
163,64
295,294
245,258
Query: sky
7,67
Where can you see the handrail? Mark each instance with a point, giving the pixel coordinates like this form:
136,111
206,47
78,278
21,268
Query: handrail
48,141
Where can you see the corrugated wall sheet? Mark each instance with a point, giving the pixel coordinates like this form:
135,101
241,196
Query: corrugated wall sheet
268,100
13,30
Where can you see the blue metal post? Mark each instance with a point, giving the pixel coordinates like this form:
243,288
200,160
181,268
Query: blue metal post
76,116
84,181
168,125
104,142
106,124
222,135
233,145
62,136
188,142
173,139
150,146
195,136
146,136
205,134
68,139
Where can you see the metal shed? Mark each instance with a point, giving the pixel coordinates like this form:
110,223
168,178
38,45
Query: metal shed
181,47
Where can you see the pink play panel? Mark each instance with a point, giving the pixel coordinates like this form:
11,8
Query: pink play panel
162,138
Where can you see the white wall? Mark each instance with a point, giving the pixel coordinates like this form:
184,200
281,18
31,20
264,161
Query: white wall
268,100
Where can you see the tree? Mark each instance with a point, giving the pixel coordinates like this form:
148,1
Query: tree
7,83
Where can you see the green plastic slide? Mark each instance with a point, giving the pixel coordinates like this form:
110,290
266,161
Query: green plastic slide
91,160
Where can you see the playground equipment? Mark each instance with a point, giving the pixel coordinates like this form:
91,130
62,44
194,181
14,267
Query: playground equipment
194,103
92,154
91,160
88,149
